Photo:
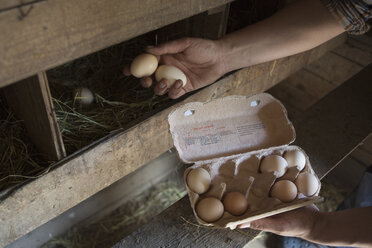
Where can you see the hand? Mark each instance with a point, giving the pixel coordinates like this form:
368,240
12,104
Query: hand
295,223
201,60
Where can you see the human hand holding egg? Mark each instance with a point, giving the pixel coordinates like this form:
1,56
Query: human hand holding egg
199,60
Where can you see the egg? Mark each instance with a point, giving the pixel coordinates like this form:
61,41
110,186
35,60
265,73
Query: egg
83,96
307,183
274,163
209,209
198,180
143,65
171,73
295,159
235,203
284,190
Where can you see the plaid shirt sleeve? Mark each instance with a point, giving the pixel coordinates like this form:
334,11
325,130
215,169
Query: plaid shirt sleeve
352,14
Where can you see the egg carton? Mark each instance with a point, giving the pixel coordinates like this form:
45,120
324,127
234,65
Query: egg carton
228,137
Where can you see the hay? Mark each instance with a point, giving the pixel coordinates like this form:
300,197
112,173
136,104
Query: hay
120,101
110,229
19,159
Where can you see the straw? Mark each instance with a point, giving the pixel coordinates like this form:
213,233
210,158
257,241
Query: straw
108,230
19,159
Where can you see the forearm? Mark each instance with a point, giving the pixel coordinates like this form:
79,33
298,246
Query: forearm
350,227
296,28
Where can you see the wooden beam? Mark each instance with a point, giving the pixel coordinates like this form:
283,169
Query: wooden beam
31,101
327,131
57,31
110,159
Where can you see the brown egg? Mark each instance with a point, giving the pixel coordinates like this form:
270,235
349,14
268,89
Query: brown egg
284,190
307,183
209,209
235,203
144,65
198,180
274,163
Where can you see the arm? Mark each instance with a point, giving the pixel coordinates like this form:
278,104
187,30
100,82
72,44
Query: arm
296,28
350,227
293,29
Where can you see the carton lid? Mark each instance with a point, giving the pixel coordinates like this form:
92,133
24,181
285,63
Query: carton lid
229,125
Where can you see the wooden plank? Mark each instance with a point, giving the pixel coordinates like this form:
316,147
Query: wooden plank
6,5
110,159
337,123
357,55
334,68
58,31
216,23
327,131
311,83
31,101
293,96
363,156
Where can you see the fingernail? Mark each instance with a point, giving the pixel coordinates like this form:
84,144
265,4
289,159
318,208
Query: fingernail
245,225
179,84
162,85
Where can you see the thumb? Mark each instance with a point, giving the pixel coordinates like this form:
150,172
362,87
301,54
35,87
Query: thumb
270,224
171,47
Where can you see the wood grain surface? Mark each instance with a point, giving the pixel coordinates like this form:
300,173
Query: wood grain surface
31,101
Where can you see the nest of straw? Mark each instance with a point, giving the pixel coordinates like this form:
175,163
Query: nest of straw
19,158
107,231
120,101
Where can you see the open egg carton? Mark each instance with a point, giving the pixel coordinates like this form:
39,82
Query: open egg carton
244,168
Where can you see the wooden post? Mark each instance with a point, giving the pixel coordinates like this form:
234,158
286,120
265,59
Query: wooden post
31,101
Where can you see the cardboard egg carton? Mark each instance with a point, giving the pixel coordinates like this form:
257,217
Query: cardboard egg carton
228,137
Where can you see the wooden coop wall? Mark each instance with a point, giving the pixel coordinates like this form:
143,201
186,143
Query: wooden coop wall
33,42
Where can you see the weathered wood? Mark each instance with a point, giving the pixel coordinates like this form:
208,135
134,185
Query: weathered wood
31,101
216,23
112,158
334,68
6,5
57,31
327,131
356,54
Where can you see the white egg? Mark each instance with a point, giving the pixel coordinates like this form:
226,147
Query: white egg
83,96
198,180
284,190
295,159
307,183
171,73
144,65
274,163
209,209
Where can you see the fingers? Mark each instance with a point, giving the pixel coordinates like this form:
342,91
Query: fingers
126,70
245,225
176,90
146,82
161,87
171,47
266,224
261,224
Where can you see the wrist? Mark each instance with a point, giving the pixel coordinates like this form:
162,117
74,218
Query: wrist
237,50
228,57
317,224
